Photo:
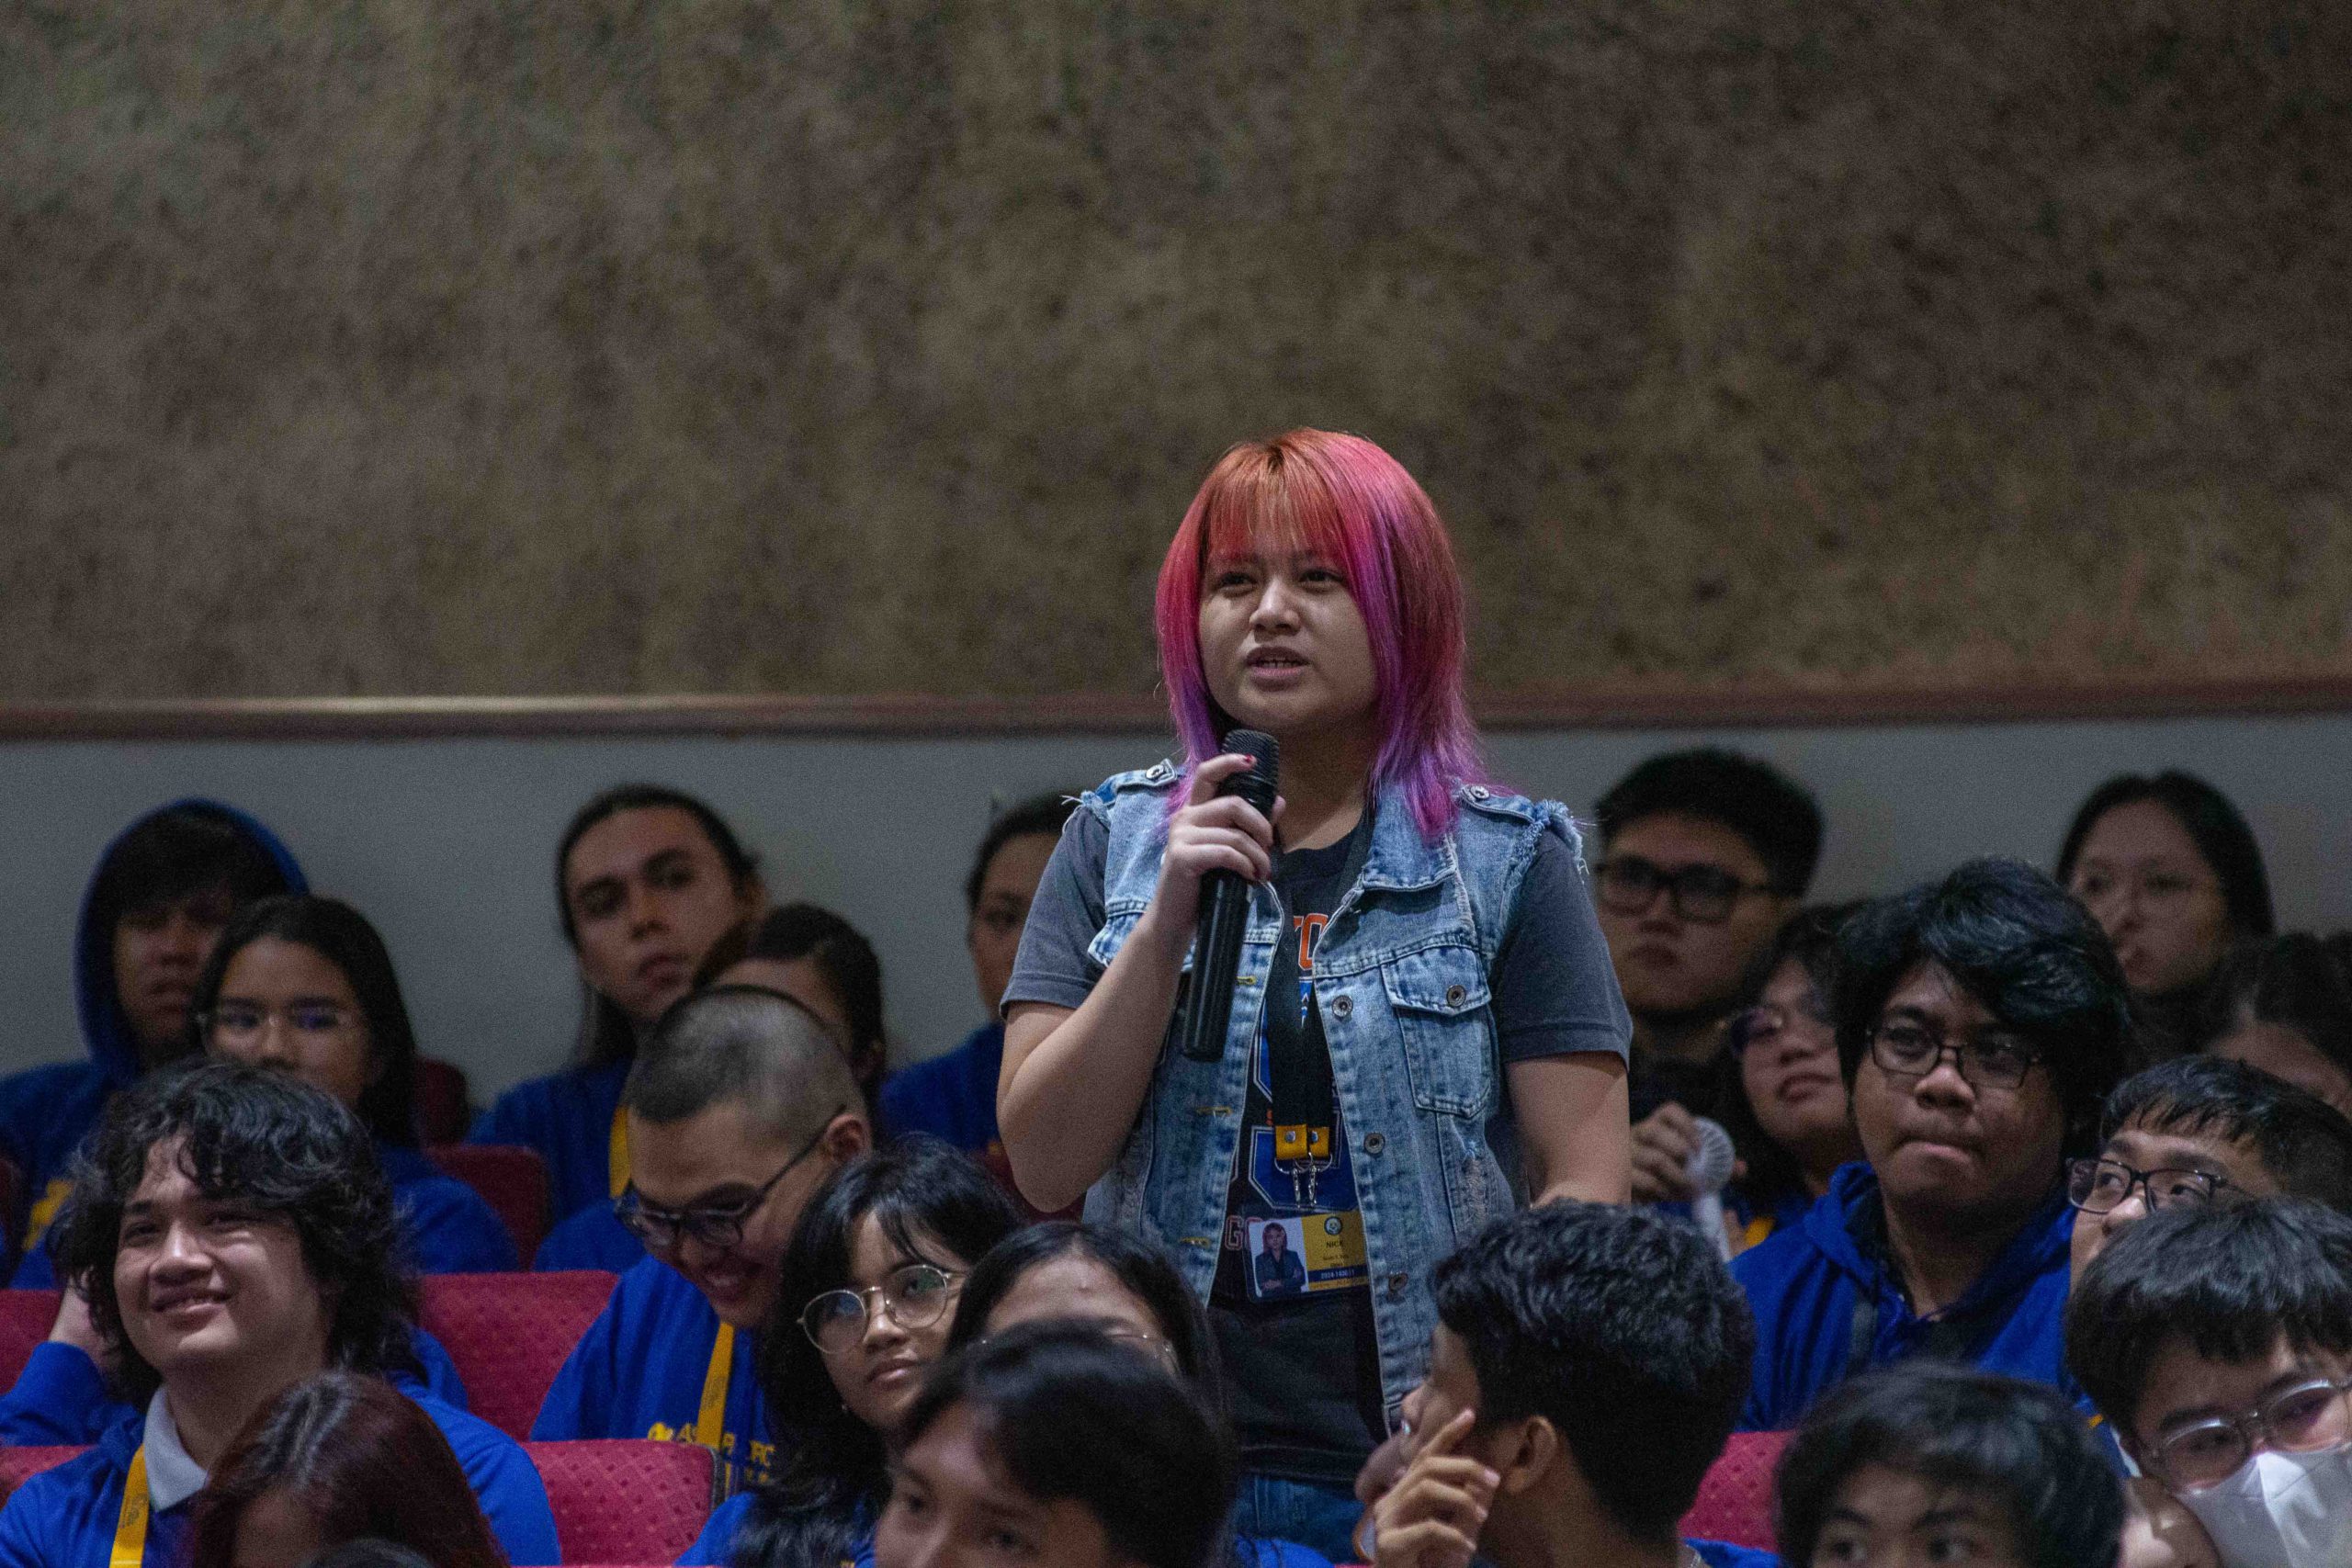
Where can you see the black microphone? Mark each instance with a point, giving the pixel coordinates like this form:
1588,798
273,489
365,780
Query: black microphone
1225,908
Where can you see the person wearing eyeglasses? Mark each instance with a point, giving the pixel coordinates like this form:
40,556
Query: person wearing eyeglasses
739,1106
2217,1341
864,1301
1981,1021
1703,855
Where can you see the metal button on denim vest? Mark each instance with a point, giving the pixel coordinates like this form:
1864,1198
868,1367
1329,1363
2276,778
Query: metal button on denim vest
1401,980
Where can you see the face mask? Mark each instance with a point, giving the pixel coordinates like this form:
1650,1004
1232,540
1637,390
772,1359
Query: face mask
2281,1511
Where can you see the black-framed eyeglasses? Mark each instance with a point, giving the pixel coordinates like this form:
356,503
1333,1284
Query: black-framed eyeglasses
1762,1028
1908,1049
1705,895
915,1295
2307,1419
716,1225
2100,1185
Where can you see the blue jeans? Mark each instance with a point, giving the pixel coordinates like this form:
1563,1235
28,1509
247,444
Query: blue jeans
1320,1519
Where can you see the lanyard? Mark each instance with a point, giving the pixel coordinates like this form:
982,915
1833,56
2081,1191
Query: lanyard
130,1530
1300,1078
710,1418
617,1152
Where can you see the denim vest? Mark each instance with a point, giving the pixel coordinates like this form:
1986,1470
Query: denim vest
1401,980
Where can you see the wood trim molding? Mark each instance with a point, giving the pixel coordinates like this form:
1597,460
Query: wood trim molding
387,718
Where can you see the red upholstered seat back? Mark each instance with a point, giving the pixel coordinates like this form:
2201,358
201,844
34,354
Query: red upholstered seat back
1734,1501
25,1319
626,1501
509,1335
513,1182
17,1464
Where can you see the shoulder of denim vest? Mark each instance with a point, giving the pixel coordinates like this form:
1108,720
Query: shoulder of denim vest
1517,813
1156,779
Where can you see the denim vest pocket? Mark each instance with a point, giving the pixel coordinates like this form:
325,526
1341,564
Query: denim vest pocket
1440,998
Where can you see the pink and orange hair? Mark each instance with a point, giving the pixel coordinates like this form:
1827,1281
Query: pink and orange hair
1343,498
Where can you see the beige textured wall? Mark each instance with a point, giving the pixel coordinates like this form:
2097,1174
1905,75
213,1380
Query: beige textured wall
507,346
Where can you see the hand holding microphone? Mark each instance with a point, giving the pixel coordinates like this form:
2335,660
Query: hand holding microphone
1208,838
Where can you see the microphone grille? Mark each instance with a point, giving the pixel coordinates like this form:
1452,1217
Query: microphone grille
1258,785
1710,1163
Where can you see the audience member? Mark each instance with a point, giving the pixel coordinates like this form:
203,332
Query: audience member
954,1096
1786,1105
1929,1463
233,1237
1981,1021
2285,1006
2203,1130
305,985
1586,1364
739,1107
863,1302
1048,1445
2217,1342
2175,878
1438,972
1703,855
161,893
647,878
1114,1280
334,1460
802,951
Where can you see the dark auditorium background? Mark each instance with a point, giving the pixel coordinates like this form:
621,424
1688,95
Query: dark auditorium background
1947,400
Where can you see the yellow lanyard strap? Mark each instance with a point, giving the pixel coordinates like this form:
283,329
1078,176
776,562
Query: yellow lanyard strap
710,1421
616,1155
130,1530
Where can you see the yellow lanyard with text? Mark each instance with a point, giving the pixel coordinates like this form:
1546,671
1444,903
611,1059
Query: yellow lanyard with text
130,1530
616,1156
710,1420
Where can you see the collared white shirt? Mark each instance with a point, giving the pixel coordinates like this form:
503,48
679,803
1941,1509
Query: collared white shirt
172,1477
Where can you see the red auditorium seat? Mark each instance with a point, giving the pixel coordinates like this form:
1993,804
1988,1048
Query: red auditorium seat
18,1465
25,1319
513,1182
625,1502
1734,1501
440,1097
12,1192
509,1333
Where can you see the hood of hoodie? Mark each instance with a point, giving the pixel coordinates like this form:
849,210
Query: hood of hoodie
1834,1227
106,1032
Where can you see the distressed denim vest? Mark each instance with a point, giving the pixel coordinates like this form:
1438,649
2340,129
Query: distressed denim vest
1401,980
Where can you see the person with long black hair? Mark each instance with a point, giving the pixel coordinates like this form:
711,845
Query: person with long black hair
645,878
864,1297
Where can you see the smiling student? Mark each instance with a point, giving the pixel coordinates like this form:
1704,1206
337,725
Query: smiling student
1445,1039
739,1107
647,878
233,1237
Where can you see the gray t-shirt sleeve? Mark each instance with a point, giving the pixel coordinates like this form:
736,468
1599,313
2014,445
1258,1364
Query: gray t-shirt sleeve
1052,966
1554,990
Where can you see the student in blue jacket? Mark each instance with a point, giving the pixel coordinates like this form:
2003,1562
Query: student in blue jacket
804,952
233,1236
647,878
156,904
1981,1021
952,1097
1585,1370
304,984
737,1108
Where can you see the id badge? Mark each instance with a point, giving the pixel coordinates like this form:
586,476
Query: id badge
1300,1254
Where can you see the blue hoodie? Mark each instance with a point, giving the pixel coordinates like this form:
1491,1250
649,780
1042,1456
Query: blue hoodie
1809,1286
567,1117
593,1238
66,1517
951,1097
640,1369
45,1112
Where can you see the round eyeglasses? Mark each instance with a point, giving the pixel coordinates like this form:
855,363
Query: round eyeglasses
2307,1419
2101,1186
916,1296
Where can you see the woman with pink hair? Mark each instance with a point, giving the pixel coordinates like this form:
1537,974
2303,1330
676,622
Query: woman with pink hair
1444,1038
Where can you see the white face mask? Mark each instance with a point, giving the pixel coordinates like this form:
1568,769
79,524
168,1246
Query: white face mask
2281,1511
